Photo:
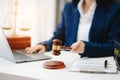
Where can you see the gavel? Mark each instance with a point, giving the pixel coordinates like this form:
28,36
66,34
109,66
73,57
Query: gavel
57,47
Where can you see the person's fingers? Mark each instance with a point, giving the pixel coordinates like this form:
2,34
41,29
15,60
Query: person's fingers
75,47
78,47
36,48
41,51
27,48
81,48
30,50
33,50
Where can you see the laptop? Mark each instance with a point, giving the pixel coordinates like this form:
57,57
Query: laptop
17,56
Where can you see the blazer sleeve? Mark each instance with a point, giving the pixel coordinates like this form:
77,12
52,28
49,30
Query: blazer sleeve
93,49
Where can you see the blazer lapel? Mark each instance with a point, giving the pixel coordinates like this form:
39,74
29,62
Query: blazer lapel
98,22
73,20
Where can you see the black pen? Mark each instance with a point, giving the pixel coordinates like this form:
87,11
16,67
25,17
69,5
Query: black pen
105,63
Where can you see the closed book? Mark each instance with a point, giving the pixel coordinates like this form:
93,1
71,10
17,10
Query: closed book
18,38
117,54
19,42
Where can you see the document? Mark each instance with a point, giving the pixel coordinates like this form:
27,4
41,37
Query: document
94,65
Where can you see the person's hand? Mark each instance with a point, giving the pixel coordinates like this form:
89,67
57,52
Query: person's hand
78,47
37,48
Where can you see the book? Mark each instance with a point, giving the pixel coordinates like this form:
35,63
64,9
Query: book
117,54
94,65
19,42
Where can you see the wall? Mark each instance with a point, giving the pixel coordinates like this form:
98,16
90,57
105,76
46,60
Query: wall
39,15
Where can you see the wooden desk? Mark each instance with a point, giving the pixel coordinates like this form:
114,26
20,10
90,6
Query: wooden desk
19,42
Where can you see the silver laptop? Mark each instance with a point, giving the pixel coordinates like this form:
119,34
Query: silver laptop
17,56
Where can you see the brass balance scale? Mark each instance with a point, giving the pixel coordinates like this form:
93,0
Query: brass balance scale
15,14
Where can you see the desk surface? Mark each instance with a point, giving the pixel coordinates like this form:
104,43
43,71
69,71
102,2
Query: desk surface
35,69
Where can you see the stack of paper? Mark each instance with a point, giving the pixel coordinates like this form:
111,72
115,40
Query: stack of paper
96,65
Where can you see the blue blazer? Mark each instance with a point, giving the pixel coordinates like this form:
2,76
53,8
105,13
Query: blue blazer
104,30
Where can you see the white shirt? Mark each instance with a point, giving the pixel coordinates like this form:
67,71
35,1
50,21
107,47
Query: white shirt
85,21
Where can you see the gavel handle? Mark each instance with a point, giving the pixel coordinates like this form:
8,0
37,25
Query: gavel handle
66,48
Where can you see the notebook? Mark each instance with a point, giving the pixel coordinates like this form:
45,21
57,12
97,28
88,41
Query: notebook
17,56
94,65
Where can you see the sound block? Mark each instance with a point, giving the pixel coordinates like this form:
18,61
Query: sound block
54,65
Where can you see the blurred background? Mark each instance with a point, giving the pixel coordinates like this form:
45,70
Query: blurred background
36,18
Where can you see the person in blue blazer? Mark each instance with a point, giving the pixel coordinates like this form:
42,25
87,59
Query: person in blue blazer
88,26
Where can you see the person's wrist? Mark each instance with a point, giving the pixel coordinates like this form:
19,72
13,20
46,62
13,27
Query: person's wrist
83,47
43,44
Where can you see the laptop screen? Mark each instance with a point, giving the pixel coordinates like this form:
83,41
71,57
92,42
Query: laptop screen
5,50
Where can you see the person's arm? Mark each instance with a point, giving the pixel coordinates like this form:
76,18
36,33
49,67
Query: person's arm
93,49
59,31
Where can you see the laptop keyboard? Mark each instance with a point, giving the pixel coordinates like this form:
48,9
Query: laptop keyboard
23,53
22,56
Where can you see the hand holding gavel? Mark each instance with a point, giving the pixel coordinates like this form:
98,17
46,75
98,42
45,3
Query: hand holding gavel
77,47
57,47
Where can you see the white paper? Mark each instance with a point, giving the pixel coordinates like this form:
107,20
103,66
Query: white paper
94,65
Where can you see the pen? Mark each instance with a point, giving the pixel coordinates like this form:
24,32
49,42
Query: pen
105,63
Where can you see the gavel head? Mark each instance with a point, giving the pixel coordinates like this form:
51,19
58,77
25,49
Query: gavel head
56,46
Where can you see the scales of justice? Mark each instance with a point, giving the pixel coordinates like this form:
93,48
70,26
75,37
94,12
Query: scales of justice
15,16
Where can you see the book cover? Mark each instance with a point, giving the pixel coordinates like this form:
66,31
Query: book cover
117,54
